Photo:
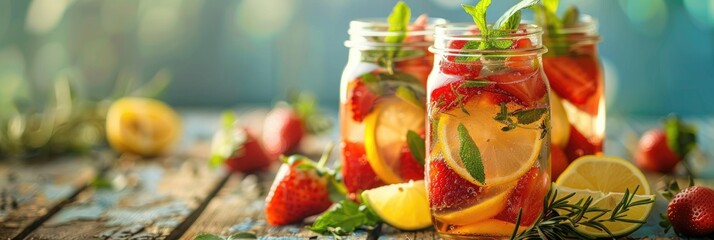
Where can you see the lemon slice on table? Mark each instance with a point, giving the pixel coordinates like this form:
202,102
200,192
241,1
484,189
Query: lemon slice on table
142,126
386,130
404,205
506,155
606,179
493,201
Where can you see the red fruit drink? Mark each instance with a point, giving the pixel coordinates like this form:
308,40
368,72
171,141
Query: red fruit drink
382,99
573,69
488,137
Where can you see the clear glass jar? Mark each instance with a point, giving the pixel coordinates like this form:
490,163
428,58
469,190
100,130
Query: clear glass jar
382,97
489,132
573,69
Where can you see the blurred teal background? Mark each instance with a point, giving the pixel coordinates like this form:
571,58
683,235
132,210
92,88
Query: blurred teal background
658,54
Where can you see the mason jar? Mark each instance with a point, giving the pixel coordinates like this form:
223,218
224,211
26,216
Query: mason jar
382,100
573,69
488,138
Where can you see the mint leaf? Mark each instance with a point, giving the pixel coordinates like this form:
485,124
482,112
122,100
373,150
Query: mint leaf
398,22
512,22
470,45
551,5
478,13
470,155
408,95
344,218
529,116
207,236
571,17
417,147
475,83
513,10
681,137
501,44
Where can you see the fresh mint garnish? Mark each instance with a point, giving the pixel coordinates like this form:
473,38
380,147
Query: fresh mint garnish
398,23
571,17
522,118
512,17
470,155
510,20
408,95
417,147
475,83
344,218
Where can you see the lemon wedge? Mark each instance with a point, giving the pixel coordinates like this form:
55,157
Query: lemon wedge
404,205
606,179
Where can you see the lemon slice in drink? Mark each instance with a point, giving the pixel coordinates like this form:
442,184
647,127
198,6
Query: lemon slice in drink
404,205
607,178
386,130
506,155
494,200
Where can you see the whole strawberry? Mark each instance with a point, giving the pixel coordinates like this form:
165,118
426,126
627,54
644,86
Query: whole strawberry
661,150
300,190
691,212
653,154
283,129
237,148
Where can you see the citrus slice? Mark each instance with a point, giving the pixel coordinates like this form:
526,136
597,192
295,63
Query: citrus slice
560,126
506,155
490,227
604,174
142,126
386,130
404,205
605,179
493,201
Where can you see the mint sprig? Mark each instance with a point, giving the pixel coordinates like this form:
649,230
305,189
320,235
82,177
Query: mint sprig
510,20
398,23
344,218
522,118
417,146
470,155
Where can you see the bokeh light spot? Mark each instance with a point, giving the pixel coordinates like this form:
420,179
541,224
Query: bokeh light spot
44,15
263,19
647,16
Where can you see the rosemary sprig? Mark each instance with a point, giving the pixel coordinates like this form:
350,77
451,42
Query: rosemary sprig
522,118
560,217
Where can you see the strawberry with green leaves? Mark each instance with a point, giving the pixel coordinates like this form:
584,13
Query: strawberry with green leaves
690,211
302,188
660,150
288,123
237,148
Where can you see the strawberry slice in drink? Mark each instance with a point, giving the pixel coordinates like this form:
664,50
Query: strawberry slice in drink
454,94
574,79
361,100
447,190
528,195
579,145
356,172
452,65
527,86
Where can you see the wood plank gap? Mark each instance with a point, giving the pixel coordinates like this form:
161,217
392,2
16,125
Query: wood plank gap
186,224
103,169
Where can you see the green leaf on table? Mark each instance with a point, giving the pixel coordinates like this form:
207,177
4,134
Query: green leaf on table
345,217
242,236
529,116
101,182
417,147
224,142
207,236
681,137
470,155
515,10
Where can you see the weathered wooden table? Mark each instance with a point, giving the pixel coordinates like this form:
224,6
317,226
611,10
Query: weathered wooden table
179,196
